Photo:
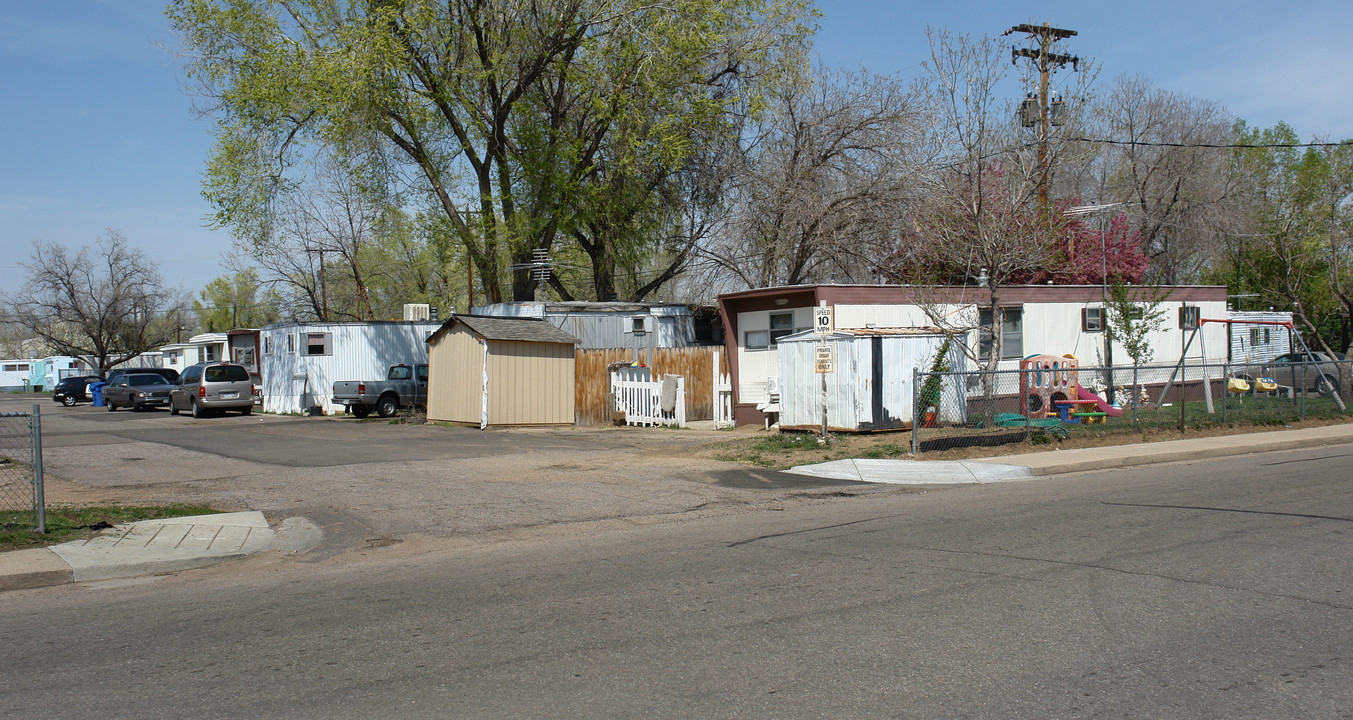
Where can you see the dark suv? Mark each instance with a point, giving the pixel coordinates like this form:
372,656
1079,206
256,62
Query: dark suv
212,387
74,389
170,375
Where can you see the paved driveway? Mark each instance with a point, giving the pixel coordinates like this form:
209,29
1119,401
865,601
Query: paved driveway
374,481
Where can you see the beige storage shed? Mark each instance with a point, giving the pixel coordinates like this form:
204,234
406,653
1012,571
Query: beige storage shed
500,371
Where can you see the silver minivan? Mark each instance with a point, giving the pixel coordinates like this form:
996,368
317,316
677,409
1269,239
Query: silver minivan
212,387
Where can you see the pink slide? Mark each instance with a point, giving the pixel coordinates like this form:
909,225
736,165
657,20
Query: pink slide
1100,405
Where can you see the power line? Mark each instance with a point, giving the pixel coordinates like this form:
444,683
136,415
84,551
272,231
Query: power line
1219,146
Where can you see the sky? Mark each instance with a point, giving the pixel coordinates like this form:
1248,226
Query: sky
97,131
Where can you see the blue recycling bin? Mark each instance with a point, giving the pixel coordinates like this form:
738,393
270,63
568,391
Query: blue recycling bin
96,393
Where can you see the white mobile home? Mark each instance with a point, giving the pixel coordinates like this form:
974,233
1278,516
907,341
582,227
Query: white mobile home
17,375
301,361
1258,337
1038,319
638,326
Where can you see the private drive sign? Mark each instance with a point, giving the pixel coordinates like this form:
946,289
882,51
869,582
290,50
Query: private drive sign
824,359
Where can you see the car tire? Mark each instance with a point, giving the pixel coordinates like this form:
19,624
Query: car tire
1327,386
68,401
247,411
173,409
111,407
198,412
387,406
361,411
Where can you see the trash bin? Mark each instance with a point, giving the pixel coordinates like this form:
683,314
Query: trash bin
96,393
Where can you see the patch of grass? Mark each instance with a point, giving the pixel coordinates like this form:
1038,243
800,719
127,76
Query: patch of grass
789,441
75,523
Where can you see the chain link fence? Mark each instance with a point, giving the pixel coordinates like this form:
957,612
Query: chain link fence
1000,407
21,501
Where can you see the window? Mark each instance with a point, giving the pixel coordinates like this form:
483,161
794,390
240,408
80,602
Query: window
267,345
291,343
319,344
400,372
1189,317
422,373
781,324
1092,319
225,373
16,367
756,339
244,356
1012,334
1254,336
638,325
211,353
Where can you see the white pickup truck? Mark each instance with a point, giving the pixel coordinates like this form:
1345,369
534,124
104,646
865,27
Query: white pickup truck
403,386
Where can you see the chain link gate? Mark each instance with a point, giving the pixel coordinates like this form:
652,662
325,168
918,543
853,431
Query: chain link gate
21,497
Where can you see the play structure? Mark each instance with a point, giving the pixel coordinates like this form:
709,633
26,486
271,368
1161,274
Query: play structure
1050,388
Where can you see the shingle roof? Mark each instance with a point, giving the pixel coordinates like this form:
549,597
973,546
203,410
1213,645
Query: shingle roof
513,329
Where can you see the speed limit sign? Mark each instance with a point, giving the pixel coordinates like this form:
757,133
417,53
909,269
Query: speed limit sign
822,320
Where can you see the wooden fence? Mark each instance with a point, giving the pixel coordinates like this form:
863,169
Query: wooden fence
592,379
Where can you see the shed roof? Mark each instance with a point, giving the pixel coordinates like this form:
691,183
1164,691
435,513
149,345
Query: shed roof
508,328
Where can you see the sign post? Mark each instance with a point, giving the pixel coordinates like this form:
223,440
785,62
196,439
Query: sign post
824,359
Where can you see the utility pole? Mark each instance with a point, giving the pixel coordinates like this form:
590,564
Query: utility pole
1045,114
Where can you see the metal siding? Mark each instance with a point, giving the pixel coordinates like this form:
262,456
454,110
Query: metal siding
850,389
293,382
672,326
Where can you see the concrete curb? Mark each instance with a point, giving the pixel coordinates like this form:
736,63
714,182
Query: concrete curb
1058,462
36,568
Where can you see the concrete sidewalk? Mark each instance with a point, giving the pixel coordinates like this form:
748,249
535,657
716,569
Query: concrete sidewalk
154,547
1056,462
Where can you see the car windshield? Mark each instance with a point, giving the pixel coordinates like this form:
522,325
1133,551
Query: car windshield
225,373
144,380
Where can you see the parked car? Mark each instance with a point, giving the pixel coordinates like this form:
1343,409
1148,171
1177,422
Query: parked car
212,387
1313,371
170,375
74,389
403,386
137,391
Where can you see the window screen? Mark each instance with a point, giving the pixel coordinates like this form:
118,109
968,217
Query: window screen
319,343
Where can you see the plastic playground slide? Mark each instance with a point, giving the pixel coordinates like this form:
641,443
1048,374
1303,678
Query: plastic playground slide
1100,403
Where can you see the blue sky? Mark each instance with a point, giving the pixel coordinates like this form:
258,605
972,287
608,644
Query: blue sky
96,132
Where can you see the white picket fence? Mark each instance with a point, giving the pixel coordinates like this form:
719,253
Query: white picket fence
723,398
641,401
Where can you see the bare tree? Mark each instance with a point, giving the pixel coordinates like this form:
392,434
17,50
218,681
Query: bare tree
823,182
106,303
979,224
1182,195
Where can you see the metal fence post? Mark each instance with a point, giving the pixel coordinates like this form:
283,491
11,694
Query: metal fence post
1136,397
915,411
1023,378
1301,404
39,499
1225,389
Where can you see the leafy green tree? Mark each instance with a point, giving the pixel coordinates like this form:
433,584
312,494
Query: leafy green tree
235,301
1291,257
509,117
1134,312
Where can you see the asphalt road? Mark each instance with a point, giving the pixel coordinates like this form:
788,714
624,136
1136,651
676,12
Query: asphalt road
1216,589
